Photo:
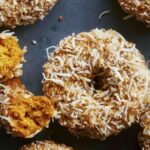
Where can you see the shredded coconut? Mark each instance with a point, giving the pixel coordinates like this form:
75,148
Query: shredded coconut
98,81
14,12
138,8
103,13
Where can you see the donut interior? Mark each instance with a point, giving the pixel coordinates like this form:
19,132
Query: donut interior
11,56
29,115
25,114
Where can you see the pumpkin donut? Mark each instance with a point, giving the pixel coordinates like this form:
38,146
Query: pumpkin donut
11,57
98,82
23,12
138,8
45,145
23,114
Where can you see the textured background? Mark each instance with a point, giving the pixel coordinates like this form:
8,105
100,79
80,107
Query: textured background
79,15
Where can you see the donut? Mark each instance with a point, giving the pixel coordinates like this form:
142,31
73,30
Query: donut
22,113
23,12
144,137
11,57
98,82
138,8
45,145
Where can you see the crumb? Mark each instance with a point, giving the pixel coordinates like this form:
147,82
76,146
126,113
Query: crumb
34,42
61,18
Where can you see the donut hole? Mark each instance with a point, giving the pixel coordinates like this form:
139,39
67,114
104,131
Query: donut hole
98,83
100,79
29,115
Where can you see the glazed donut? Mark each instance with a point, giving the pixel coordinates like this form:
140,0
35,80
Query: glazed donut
45,145
23,114
138,8
23,12
11,57
98,82
144,137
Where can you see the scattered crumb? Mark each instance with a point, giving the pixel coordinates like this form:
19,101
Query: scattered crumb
60,18
34,42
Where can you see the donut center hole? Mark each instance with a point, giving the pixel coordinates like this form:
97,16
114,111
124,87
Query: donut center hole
100,80
99,83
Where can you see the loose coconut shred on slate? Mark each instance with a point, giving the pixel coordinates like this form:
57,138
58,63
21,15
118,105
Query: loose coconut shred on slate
98,81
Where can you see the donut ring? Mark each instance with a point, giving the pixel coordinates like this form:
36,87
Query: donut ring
22,113
45,145
11,57
138,8
23,12
96,83
144,137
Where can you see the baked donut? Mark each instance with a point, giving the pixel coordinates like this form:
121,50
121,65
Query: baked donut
144,137
11,57
23,12
98,82
23,114
138,8
45,145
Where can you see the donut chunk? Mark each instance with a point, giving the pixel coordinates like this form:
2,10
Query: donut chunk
23,12
45,145
11,57
22,113
98,82
144,137
138,8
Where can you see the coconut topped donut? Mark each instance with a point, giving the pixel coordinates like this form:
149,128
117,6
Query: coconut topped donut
138,8
11,57
144,137
22,113
98,82
23,12
45,145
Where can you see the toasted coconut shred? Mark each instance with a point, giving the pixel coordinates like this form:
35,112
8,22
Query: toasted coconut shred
22,113
45,145
144,137
98,81
23,12
138,8
11,56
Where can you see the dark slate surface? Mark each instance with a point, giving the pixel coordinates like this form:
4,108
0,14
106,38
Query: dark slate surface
79,15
